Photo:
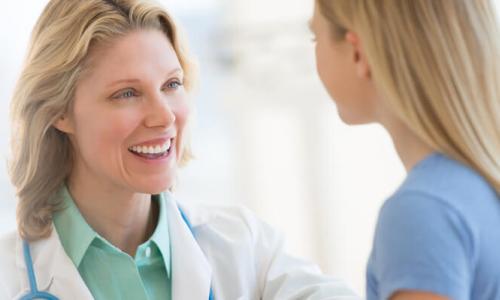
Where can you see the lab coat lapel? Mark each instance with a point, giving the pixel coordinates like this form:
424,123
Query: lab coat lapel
191,272
54,271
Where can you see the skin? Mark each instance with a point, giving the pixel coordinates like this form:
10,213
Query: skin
132,95
346,74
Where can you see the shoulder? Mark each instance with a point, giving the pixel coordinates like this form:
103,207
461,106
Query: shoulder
234,221
428,233
248,244
451,181
9,275
427,210
254,257
416,219
421,243
237,232
8,244
444,194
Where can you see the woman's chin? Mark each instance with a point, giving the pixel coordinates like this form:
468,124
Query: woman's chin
350,118
155,186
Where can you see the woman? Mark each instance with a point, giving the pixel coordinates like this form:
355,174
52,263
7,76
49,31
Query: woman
429,72
99,118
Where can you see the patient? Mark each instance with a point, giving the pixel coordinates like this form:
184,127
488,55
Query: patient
429,72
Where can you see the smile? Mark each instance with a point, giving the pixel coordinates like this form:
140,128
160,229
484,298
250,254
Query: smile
152,151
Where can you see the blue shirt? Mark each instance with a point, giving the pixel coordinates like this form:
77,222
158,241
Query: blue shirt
439,233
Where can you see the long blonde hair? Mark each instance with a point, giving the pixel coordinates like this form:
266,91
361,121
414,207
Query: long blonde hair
60,44
438,64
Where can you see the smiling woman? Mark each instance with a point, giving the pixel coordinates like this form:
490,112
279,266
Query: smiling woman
45,95
100,114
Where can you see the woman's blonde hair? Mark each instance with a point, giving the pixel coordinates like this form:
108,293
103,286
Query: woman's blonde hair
438,65
61,41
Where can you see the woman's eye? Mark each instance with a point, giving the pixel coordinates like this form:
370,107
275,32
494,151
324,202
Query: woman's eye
128,94
175,84
125,94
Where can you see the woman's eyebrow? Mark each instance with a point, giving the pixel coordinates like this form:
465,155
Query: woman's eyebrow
176,71
127,80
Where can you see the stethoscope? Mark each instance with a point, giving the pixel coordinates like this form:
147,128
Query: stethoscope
34,293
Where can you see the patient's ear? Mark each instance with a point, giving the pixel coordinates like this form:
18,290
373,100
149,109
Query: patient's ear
363,69
64,124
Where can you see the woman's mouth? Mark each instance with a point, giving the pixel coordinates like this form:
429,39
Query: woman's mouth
152,151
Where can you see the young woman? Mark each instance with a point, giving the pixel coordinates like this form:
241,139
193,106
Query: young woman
99,118
429,72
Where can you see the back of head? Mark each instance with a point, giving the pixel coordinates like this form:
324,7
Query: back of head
61,43
437,64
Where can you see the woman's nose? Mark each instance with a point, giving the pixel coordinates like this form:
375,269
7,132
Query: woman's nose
159,112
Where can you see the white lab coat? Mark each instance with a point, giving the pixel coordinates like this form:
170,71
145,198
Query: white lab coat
241,257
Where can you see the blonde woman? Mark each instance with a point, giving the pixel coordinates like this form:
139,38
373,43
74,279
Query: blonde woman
429,72
99,118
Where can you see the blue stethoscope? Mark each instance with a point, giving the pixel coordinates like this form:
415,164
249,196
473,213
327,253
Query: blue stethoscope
34,293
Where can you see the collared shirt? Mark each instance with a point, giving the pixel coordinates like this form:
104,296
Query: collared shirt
108,272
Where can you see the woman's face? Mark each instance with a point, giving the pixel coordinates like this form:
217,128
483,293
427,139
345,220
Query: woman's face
129,114
344,72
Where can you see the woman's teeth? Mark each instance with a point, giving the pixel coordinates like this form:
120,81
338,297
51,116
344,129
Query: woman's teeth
158,149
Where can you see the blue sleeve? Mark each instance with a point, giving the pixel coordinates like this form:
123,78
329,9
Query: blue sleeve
422,243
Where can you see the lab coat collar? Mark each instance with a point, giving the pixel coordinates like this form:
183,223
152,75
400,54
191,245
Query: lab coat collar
197,214
54,271
191,272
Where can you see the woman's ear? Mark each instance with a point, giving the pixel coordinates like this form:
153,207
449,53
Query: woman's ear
64,124
359,58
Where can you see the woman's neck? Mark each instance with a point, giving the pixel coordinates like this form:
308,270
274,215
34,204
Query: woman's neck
410,148
126,219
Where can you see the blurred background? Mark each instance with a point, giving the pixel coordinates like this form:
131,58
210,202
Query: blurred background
266,135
